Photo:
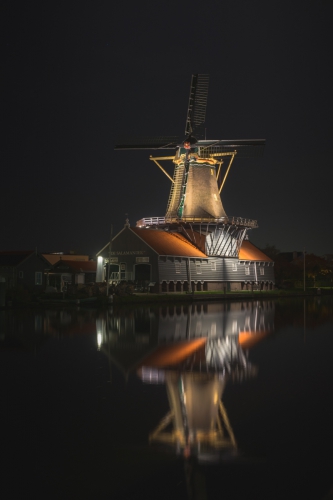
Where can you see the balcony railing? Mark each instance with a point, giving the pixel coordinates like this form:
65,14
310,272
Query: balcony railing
232,220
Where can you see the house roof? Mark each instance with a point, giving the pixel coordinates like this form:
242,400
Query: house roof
83,266
52,258
250,252
12,259
165,243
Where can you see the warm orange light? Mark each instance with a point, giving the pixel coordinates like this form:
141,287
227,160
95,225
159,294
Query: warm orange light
250,252
249,339
173,354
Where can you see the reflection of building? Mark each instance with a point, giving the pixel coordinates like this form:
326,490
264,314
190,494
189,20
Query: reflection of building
215,319
171,262
193,350
126,329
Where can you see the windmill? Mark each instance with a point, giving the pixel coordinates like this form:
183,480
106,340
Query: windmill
195,206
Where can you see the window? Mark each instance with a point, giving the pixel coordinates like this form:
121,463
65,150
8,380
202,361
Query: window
21,274
234,266
38,278
198,267
247,270
213,266
142,259
177,266
262,271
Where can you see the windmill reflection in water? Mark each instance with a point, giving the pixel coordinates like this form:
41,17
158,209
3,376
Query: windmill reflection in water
195,352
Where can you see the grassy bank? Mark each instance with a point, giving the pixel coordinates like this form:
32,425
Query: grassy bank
101,300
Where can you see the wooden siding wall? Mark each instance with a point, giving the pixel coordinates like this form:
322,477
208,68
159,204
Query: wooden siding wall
224,270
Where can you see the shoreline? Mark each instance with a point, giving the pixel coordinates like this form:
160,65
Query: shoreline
149,298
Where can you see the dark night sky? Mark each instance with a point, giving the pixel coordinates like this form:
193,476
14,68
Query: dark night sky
80,74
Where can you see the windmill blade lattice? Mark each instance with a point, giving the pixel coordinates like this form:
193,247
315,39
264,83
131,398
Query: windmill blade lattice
196,113
246,148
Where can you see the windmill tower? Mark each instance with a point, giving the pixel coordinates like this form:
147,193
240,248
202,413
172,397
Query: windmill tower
195,206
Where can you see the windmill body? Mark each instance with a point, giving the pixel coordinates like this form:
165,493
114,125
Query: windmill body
194,193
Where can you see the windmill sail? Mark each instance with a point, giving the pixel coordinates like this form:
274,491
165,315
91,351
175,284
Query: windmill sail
196,112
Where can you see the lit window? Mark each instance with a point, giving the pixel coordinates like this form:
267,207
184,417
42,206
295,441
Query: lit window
247,270
213,264
234,266
38,278
198,267
262,271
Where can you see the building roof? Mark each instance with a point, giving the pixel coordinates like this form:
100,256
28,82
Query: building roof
165,243
75,266
52,258
12,259
250,252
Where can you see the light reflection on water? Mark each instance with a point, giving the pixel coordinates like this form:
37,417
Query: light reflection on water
242,383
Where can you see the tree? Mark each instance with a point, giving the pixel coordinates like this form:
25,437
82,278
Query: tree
271,251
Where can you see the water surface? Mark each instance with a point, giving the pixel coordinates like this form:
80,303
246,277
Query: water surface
249,385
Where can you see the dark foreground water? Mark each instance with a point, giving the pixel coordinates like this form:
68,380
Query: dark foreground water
250,385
